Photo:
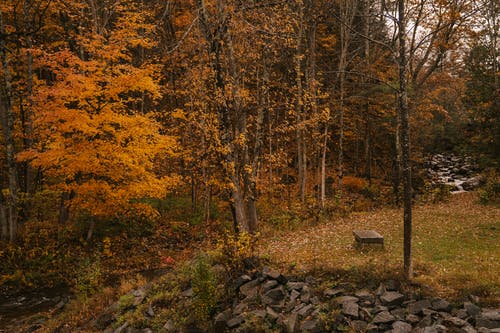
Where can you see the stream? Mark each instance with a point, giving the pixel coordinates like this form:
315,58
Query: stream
457,172
30,310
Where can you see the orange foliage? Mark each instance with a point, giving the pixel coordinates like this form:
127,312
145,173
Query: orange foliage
354,184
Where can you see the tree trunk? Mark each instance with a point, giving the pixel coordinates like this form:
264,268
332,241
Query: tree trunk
28,112
323,165
405,141
368,155
7,122
299,108
90,232
347,12
63,208
4,226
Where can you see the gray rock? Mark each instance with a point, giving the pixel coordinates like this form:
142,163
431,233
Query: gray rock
489,319
188,293
333,292
484,330
305,294
495,330
295,285
235,322
412,318
429,329
474,299
291,323
350,309
241,281
359,326
399,313
104,320
275,297
346,299
472,183
269,285
454,321
381,290
170,327
429,312
425,322
380,308
439,304
472,309
469,329
418,306
364,295
240,308
460,313
121,328
139,295
219,322
150,312
315,300
383,317
371,328
271,313
305,310
294,295
259,313
250,288
310,326
392,298
273,274
392,285
401,327
444,315
441,328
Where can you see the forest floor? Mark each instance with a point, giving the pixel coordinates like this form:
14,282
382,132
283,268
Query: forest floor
456,247
455,251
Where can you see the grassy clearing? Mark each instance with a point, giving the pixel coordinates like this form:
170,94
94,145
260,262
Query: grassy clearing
456,247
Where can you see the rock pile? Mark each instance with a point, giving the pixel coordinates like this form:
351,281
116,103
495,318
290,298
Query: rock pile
267,301
295,306
454,171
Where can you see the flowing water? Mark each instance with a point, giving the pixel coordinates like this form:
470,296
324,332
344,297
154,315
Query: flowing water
31,309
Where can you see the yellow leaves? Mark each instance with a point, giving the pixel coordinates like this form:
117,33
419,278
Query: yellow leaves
179,114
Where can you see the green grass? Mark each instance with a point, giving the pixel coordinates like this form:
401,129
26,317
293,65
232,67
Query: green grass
455,247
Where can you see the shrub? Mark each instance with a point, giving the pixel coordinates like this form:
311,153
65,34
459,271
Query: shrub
232,248
490,193
89,278
204,282
354,184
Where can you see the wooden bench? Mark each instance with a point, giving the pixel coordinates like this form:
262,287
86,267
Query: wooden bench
363,237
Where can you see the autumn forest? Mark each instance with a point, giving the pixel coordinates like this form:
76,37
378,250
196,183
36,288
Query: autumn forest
166,125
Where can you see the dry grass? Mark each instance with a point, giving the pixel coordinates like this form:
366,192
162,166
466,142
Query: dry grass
456,247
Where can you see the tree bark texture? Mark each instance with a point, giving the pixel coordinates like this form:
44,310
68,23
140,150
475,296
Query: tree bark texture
405,141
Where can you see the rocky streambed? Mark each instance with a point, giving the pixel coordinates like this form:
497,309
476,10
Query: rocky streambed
268,301
459,173
29,308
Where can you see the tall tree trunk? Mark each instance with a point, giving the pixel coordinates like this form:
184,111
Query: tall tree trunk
63,207
28,114
368,146
90,231
347,12
7,122
405,141
4,224
299,109
323,165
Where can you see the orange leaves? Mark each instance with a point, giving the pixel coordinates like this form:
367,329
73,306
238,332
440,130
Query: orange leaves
93,139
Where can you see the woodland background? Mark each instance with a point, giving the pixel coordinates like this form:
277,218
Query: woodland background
147,124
